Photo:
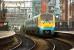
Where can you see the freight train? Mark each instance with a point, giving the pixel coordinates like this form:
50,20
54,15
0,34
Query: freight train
42,24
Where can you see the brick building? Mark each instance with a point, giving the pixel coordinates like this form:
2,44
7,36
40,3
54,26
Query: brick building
67,13
64,10
72,11
72,14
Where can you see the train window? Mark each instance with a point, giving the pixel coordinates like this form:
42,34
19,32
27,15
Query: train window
47,17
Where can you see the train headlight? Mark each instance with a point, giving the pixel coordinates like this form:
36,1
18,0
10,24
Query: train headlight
41,27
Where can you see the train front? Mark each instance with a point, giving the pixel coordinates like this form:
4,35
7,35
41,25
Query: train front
46,24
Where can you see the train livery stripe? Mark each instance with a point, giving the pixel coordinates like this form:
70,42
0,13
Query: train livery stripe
47,28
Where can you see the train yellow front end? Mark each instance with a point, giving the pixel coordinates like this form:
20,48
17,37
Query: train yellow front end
46,24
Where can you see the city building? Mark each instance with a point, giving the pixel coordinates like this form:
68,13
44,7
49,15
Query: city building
64,10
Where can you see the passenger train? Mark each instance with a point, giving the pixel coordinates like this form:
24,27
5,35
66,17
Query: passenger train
42,24
46,24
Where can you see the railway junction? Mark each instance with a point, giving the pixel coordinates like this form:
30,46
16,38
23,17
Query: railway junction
36,24
25,41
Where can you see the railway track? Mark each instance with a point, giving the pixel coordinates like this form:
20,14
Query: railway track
61,44
69,37
42,44
10,43
27,43
50,44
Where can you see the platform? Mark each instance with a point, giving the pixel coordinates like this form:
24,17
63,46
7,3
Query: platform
4,34
67,32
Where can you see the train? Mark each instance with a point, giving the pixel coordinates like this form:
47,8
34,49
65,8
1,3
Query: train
46,24
42,25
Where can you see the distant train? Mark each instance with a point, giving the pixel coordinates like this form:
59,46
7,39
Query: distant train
43,24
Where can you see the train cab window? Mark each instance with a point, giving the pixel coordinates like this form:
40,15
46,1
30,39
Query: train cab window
47,17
